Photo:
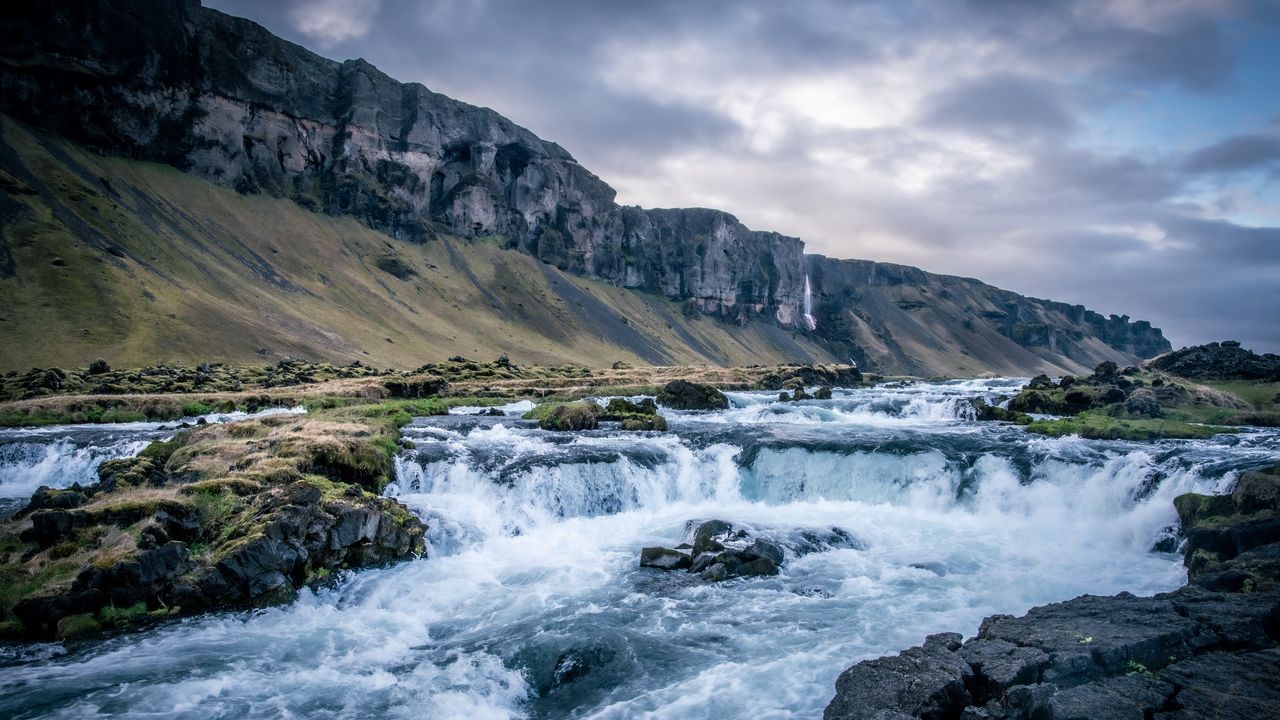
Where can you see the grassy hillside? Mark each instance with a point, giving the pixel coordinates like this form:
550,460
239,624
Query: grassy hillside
139,263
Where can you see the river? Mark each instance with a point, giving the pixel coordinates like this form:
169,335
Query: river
531,603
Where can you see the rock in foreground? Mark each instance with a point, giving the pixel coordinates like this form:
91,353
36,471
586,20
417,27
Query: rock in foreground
1208,650
227,516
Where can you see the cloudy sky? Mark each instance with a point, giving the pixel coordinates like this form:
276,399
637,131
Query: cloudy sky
1123,154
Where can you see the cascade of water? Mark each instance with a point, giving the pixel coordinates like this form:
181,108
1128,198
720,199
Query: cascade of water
809,321
531,602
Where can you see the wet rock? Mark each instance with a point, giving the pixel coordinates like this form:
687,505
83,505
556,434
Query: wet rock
684,395
810,375
926,681
664,559
758,567
47,498
999,665
1091,637
763,549
1127,697
822,393
1225,685
708,536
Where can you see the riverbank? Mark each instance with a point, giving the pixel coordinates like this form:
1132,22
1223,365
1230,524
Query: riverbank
246,514
58,396
1206,650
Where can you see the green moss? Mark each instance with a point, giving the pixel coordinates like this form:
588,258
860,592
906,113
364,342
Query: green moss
1094,426
12,630
74,626
195,409
215,508
111,616
571,416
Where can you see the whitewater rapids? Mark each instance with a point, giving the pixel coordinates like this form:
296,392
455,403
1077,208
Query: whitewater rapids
531,602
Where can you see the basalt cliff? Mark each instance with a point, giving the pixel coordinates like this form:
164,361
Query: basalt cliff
98,97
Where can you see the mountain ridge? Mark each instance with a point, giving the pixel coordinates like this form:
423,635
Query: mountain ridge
224,100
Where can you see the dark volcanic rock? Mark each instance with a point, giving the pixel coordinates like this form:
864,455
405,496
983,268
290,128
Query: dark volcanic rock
924,682
684,395
1225,685
664,558
721,550
1218,361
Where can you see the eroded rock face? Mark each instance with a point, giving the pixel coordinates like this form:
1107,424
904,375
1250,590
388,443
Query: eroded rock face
222,98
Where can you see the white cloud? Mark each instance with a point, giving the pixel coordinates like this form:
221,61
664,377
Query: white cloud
330,22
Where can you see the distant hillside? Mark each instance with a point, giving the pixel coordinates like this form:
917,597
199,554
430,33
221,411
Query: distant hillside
330,211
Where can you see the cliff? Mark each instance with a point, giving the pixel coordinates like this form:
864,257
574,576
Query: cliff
222,99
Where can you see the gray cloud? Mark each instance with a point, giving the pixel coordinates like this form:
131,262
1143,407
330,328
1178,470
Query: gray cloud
1003,106
1236,154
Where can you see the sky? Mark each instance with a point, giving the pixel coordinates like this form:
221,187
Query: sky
1121,154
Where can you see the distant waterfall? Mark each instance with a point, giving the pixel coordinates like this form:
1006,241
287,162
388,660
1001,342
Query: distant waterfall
809,322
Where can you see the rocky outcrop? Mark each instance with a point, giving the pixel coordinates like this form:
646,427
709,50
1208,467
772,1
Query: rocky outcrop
1207,650
224,100
206,521
717,550
1218,361
684,395
896,318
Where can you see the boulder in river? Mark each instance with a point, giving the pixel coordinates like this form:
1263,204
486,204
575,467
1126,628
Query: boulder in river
684,395
721,550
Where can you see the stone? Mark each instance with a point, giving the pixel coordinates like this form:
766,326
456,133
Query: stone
759,567
684,395
664,559
1127,697
707,536
761,548
1224,685
924,681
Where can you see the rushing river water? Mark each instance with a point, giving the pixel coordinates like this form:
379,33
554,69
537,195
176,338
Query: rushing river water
531,602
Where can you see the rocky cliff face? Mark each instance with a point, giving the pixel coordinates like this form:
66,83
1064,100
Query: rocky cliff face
895,316
223,99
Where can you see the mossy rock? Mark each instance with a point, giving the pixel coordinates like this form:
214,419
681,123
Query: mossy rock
572,416
74,626
641,423
1195,509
